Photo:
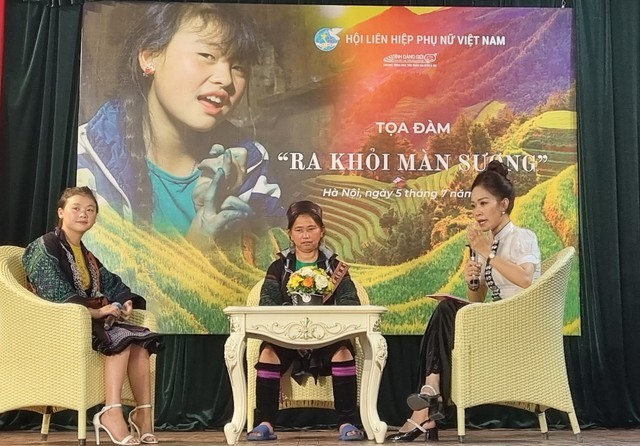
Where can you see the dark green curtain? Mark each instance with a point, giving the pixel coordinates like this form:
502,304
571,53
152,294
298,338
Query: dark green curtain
604,362
39,104
37,160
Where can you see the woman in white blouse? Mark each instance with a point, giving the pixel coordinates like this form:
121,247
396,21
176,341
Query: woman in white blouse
507,260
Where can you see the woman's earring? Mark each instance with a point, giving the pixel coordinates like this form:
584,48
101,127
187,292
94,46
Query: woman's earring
149,70
503,212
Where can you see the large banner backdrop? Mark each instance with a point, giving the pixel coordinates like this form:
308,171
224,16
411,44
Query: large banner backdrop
201,123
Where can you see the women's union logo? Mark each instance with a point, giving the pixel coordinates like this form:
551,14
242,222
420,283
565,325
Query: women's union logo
327,39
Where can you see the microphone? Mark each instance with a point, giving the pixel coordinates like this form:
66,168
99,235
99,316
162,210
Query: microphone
474,283
111,319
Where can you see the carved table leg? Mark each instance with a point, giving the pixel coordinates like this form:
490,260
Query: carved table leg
234,350
375,353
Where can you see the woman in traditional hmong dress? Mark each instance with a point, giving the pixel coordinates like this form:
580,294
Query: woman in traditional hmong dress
61,269
306,232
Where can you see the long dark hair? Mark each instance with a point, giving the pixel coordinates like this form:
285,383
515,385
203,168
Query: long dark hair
494,179
153,32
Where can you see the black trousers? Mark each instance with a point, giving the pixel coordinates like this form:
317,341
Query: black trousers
437,344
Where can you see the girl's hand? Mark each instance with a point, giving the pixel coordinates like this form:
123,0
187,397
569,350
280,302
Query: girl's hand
219,211
110,310
127,308
232,161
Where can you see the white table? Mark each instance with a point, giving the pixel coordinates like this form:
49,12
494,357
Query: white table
307,326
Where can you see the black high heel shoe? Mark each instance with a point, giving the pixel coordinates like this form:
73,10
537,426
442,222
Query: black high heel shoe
431,401
417,402
409,436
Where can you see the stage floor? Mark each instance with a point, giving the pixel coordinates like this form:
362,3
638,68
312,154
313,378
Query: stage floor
591,437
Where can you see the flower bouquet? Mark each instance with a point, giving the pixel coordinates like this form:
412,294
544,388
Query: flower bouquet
309,285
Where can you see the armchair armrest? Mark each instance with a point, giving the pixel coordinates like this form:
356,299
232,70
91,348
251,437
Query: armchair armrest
144,318
57,326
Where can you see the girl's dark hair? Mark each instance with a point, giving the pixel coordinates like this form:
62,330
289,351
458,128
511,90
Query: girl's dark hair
153,32
72,192
304,207
494,179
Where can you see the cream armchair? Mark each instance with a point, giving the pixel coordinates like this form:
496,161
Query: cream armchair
511,352
292,394
47,361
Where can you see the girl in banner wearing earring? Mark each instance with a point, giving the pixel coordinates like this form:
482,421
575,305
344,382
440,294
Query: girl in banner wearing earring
164,152
507,260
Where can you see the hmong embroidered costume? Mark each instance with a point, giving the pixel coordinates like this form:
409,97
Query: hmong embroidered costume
53,275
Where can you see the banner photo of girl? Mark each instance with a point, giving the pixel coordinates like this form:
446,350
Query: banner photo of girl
201,123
